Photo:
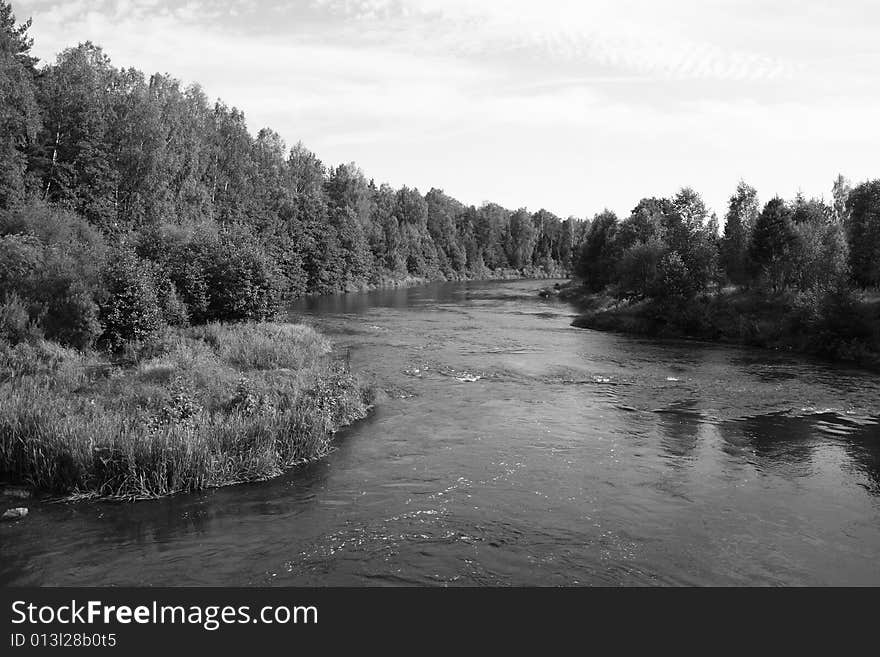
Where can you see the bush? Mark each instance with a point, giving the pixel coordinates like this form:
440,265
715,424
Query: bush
53,225
843,327
243,283
638,267
172,307
71,317
55,285
130,308
15,324
22,258
673,279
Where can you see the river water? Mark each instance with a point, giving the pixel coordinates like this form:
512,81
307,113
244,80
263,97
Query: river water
510,448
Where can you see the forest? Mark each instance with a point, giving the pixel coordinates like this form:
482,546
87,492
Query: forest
130,202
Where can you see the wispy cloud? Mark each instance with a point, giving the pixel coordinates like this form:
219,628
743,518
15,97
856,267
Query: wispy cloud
626,35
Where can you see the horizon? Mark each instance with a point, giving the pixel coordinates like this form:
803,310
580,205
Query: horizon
482,101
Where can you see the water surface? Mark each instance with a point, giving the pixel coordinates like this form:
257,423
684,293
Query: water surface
511,448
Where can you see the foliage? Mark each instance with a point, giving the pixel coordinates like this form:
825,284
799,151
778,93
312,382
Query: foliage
638,270
598,255
15,325
771,246
130,307
863,231
742,214
194,417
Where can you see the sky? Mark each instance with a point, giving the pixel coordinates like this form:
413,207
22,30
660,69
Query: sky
572,106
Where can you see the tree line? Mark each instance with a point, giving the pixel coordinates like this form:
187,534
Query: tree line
672,248
128,202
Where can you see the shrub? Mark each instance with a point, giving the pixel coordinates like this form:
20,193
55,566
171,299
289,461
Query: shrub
55,285
843,327
22,258
638,267
172,307
52,225
819,255
130,308
673,280
71,317
243,282
15,324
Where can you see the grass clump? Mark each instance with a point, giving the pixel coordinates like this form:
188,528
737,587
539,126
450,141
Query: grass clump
205,407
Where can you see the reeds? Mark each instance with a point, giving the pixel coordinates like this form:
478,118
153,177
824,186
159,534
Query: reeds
212,406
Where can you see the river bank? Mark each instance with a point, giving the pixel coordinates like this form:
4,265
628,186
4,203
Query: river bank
531,272
199,408
835,326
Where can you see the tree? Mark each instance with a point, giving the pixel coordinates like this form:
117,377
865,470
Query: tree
130,308
690,209
355,251
386,242
305,171
491,229
742,213
819,255
75,160
270,172
693,236
521,239
638,268
813,211
597,258
548,238
347,187
466,229
772,241
243,281
442,215
136,139
19,112
232,170
840,192
863,233
674,281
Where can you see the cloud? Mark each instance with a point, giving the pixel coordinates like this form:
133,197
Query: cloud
633,36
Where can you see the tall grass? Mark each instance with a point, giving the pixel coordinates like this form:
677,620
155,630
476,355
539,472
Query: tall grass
211,406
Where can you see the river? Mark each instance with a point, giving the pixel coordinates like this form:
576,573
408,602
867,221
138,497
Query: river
509,448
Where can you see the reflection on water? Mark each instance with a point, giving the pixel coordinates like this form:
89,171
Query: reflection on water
511,448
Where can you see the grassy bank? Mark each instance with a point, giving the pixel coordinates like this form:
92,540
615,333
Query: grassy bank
202,407
839,326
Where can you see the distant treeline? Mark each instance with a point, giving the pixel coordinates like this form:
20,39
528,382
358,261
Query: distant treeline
128,201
